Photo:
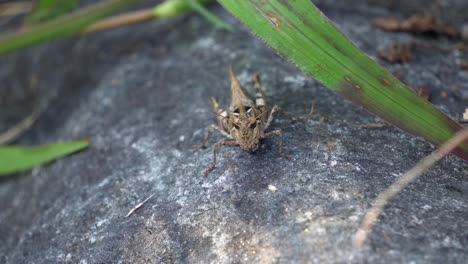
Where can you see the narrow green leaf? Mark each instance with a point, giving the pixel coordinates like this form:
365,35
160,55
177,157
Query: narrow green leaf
18,158
197,6
301,33
61,26
49,9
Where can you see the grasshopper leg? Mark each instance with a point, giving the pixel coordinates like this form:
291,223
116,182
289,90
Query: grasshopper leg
280,134
207,136
215,148
221,115
220,130
260,101
310,115
270,117
202,145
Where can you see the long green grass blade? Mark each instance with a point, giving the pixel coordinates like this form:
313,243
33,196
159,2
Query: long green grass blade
49,9
61,26
301,33
18,158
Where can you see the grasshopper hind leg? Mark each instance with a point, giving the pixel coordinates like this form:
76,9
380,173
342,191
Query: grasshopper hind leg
259,98
221,114
280,150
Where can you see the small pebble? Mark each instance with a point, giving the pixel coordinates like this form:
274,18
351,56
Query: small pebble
272,188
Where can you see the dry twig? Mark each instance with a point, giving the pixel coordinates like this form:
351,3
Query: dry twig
361,235
126,19
14,132
139,205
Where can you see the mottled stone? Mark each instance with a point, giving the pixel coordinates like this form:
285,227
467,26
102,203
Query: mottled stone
141,95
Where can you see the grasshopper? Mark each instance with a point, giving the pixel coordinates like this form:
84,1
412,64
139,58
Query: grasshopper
245,122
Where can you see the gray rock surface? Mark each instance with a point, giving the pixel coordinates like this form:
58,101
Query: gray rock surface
141,94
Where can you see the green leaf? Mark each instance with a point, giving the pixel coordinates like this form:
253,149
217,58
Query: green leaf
301,33
18,158
62,26
197,6
49,9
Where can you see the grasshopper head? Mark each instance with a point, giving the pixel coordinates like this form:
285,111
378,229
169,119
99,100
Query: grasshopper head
247,130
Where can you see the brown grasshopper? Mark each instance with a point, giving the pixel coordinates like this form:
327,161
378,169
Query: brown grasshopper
245,121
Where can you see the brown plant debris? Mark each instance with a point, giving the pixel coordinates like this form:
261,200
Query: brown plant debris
464,65
373,125
18,129
397,74
330,146
139,205
15,8
443,94
416,24
424,92
396,52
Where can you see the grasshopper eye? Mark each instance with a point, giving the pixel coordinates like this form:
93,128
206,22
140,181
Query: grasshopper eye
253,125
236,126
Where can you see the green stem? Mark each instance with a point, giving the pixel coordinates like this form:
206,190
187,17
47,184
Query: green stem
62,26
172,8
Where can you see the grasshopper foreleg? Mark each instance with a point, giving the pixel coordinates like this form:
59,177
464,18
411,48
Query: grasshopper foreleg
215,148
